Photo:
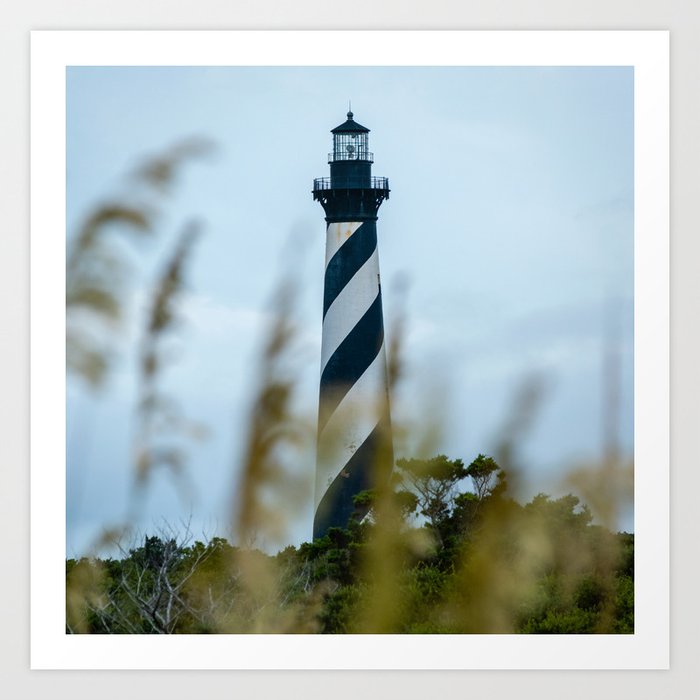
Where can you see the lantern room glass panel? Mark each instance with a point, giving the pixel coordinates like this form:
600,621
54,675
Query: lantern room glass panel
351,146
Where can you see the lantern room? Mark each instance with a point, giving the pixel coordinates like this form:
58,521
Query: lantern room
350,142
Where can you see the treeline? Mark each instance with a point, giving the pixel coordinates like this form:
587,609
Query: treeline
428,557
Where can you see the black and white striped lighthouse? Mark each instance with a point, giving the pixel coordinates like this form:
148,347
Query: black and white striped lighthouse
354,428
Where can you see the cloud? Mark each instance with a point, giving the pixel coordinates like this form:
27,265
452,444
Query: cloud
210,318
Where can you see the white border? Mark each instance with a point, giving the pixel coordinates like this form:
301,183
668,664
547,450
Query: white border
648,52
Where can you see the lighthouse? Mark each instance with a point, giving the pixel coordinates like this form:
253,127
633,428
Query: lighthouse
354,427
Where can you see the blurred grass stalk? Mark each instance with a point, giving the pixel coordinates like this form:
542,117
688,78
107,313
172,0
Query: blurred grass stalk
273,486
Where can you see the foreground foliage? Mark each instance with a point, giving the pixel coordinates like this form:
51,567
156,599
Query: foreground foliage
440,560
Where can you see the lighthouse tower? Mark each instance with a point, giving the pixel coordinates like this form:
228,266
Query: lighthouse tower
354,429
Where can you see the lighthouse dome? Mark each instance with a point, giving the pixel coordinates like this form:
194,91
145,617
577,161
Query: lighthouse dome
350,126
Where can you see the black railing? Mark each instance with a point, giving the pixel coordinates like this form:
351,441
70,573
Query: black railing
351,183
355,155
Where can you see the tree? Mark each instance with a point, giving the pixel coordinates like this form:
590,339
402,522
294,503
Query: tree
484,473
405,502
433,482
146,590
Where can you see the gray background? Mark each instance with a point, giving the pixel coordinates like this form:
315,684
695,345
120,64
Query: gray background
682,17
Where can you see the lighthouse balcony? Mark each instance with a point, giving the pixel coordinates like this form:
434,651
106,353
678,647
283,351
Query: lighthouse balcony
352,183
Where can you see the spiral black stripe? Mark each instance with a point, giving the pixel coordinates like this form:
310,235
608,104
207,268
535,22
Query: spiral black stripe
348,259
350,360
359,474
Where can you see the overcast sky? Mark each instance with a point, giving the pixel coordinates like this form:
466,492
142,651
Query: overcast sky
510,223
